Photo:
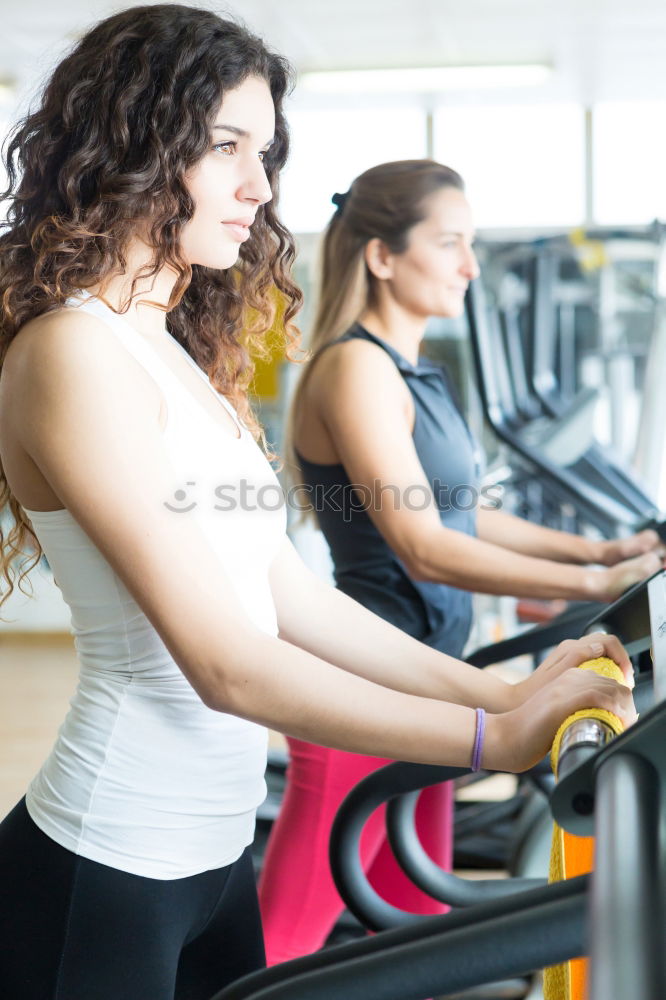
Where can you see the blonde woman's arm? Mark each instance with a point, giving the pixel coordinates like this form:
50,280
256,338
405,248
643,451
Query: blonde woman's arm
511,532
315,616
373,439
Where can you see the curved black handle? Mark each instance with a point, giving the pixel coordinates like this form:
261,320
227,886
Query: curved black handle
373,791
422,870
571,623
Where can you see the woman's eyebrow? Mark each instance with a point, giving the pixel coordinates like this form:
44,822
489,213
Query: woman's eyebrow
233,128
453,232
241,132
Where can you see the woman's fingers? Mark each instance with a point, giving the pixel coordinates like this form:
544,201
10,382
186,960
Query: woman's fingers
646,540
614,650
567,690
630,572
589,690
573,652
621,549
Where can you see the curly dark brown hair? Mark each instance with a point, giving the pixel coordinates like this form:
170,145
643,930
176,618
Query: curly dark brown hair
121,120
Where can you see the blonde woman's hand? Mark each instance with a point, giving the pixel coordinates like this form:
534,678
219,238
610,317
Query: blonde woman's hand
615,550
611,583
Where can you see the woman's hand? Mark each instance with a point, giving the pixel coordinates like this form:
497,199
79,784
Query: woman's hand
609,553
571,653
614,581
518,740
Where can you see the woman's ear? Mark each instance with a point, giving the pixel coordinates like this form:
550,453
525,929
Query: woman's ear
379,259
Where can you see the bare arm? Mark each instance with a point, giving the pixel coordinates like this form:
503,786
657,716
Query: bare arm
361,423
530,539
519,535
80,415
327,623
323,620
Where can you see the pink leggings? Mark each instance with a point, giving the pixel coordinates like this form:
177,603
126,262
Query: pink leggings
299,902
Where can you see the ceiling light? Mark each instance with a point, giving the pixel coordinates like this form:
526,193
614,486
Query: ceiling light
423,79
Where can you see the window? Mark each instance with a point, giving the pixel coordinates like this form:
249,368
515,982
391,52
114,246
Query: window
523,165
629,162
330,147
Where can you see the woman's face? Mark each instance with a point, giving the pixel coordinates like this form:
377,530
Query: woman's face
431,276
229,183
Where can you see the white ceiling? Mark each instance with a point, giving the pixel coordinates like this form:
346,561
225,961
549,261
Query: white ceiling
600,49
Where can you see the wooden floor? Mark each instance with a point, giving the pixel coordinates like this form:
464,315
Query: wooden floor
37,678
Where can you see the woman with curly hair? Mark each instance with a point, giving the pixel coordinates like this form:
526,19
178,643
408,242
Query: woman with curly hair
141,235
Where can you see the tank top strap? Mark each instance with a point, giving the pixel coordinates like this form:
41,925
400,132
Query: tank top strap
148,357
418,375
140,350
358,332
405,367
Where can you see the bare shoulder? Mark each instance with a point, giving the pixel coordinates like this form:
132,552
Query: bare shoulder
348,356
92,435
351,368
65,354
60,336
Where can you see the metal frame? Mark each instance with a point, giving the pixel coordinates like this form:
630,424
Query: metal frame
537,442
437,955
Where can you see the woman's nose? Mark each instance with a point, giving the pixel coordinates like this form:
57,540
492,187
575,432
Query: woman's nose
470,265
255,186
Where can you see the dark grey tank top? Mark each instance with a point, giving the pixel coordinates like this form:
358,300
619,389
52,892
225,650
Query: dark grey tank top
366,568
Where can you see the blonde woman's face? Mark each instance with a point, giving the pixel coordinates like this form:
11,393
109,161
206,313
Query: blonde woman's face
229,183
431,277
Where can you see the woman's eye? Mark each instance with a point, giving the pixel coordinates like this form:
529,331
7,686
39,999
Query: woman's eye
229,148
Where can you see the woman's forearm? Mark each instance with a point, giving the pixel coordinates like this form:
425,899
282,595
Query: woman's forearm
451,557
277,684
333,626
304,696
386,701
519,535
325,622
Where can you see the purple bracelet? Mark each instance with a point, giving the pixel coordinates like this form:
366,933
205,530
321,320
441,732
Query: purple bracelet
478,739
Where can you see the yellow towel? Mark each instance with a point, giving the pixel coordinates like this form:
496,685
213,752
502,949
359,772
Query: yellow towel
570,855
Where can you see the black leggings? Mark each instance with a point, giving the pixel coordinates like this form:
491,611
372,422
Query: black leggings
73,929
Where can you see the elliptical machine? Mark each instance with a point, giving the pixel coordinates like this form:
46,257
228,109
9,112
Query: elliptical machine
612,790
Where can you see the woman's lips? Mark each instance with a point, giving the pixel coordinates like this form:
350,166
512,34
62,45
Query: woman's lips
238,230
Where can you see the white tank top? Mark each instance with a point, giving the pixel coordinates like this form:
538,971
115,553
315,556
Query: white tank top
143,776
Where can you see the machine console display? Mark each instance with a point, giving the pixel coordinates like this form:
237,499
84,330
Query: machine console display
657,600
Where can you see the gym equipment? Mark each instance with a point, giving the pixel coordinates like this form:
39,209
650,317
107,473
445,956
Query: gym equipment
562,307
571,855
560,450
616,791
616,915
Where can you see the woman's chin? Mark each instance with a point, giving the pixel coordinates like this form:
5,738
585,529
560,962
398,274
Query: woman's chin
221,260
453,308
